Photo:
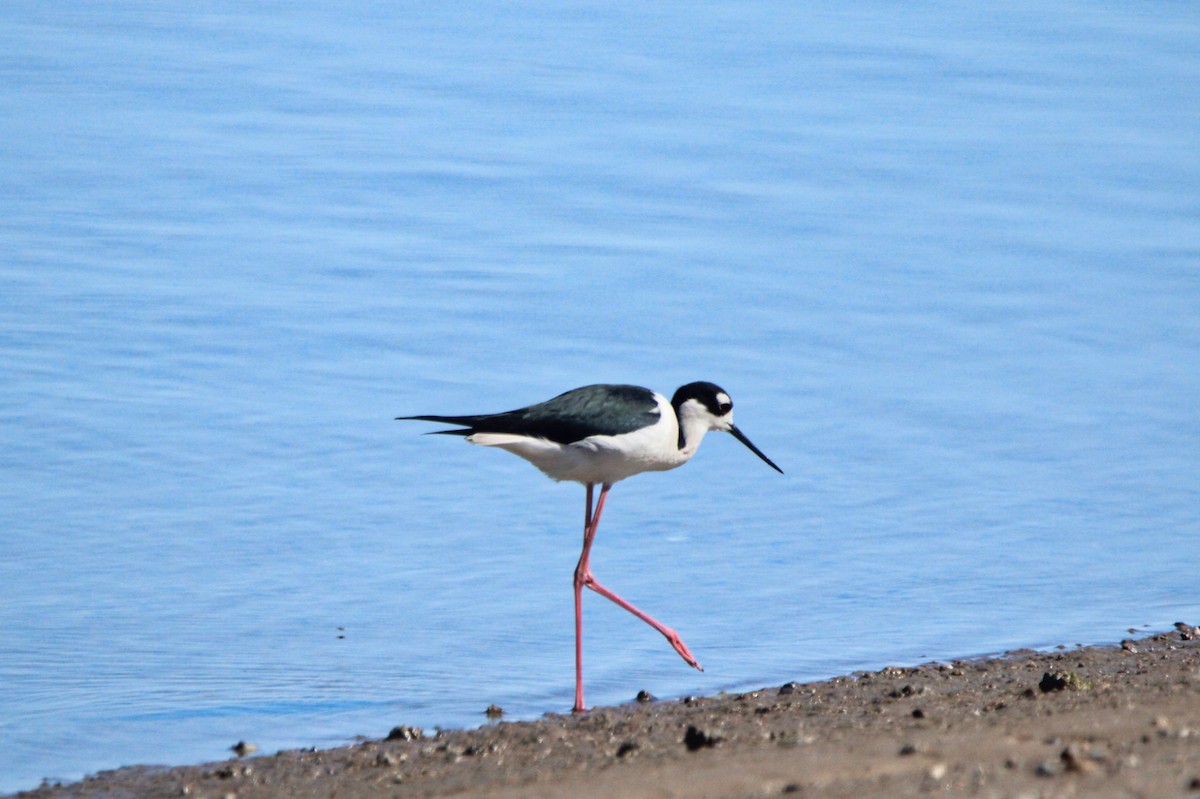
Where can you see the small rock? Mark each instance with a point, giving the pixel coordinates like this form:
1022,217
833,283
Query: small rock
788,688
1128,646
1046,769
907,749
1052,681
628,747
937,771
1194,784
1076,758
243,748
695,738
494,711
385,759
644,696
907,690
1063,680
918,713
232,771
404,734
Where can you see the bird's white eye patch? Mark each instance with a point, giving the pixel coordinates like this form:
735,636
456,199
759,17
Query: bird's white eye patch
724,403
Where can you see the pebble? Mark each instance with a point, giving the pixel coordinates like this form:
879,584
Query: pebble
1052,681
1060,680
403,733
907,690
644,696
243,748
494,711
232,771
1077,758
628,747
696,738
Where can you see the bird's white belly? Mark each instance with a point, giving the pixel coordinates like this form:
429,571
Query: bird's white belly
596,459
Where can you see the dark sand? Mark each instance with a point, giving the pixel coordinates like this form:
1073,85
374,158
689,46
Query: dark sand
1119,721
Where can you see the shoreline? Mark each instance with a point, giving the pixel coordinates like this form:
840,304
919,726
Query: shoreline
1119,720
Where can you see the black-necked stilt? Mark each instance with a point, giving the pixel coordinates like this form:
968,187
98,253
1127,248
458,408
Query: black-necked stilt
602,434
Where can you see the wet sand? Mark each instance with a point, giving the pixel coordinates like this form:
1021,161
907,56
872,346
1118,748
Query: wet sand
1115,721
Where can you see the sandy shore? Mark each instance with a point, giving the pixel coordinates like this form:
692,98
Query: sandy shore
1118,721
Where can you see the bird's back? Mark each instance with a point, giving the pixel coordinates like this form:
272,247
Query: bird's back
601,409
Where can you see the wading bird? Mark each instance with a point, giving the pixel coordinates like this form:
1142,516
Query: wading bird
599,435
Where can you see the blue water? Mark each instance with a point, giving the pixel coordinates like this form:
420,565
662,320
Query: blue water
945,259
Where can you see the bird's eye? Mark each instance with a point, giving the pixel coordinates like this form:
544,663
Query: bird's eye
725,407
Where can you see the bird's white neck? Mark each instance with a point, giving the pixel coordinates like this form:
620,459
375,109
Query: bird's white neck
692,427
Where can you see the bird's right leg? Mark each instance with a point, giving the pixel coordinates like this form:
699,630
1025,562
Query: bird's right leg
588,532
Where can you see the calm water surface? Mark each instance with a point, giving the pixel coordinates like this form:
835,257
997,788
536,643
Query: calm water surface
947,262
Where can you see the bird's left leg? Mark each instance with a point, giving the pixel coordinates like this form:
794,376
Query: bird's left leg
583,576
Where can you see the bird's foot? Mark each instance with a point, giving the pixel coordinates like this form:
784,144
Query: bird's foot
677,643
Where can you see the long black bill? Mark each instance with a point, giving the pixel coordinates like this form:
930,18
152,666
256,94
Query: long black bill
740,436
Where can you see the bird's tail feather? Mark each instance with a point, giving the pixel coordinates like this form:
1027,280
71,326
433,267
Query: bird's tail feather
463,420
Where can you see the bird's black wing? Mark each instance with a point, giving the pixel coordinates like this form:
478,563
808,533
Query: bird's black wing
572,416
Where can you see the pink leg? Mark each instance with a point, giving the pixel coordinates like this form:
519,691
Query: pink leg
587,541
583,576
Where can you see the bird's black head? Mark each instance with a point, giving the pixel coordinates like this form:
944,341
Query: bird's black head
714,398
710,405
